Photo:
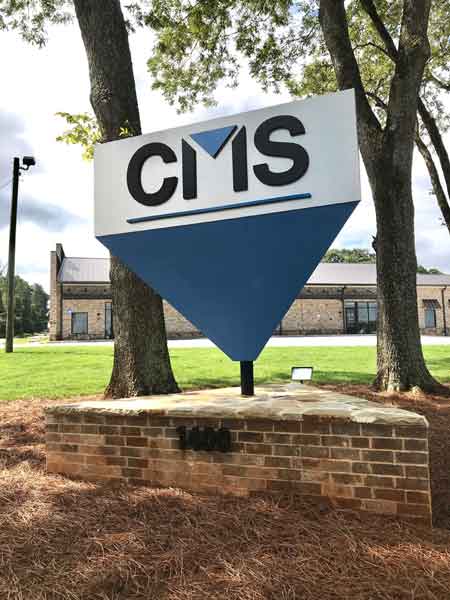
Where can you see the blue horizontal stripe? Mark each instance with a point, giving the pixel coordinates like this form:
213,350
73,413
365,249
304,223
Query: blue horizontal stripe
212,209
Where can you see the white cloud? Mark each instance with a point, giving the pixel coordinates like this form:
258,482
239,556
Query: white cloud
38,83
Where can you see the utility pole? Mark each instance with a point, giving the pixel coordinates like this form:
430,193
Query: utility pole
12,257
28,161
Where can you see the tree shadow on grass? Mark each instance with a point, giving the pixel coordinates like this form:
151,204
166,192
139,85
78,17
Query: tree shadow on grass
441,366
211,381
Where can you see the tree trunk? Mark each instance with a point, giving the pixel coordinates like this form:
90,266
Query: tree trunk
141,359
400,363
387,155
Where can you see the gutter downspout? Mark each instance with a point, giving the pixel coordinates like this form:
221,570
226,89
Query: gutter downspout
61,322
344,324
443,309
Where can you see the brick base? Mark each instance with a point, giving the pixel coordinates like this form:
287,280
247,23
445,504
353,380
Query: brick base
366,468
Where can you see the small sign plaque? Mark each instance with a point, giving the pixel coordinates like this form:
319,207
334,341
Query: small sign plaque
205,438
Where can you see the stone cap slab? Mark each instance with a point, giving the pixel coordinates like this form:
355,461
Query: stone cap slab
286,402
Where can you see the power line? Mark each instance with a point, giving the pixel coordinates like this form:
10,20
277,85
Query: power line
5,184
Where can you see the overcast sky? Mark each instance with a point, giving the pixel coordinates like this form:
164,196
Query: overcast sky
56,196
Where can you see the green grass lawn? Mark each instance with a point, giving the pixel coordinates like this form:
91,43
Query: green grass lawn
59,372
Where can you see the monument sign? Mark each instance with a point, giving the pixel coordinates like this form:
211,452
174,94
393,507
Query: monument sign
227,219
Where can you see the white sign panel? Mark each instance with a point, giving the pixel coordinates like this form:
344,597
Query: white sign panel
292,156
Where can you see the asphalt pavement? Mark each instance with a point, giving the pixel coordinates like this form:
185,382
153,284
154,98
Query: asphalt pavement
275,341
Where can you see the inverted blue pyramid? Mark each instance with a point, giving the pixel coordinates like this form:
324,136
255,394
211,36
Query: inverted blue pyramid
213,140
233,279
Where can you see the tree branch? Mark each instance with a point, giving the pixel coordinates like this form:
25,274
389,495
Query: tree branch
427,118
435,179
412,55
378,101
442,84
437,141
380,27
372,45
333,20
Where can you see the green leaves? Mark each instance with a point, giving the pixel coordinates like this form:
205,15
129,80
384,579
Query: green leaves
31,17
349,255
361,255
84,131
192,51
31,315
202,44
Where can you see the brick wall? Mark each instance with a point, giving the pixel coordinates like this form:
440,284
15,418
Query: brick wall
365,468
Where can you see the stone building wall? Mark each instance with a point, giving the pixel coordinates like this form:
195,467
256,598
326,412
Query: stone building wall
81,291
53,319
314,316
317,316
434,293
317,311
54,323
96,318
360,293
177,325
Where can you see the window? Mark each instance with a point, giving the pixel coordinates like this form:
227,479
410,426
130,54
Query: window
430,307
430,318
80,323
360,317
108,320
373,311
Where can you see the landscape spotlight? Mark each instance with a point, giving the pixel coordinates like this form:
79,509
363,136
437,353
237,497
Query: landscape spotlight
28,161
301,374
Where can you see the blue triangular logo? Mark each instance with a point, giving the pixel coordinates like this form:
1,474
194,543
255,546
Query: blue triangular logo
237,293
214,140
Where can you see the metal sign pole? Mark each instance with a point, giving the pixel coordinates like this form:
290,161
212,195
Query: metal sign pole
247,381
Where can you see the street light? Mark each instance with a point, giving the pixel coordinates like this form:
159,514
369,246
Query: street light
28,161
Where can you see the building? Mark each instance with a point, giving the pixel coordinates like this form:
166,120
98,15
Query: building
338,298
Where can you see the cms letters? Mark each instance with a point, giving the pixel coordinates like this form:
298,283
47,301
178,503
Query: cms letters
240,169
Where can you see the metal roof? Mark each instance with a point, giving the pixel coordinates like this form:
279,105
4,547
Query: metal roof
96,270
362,274
424,279
84,270
344,274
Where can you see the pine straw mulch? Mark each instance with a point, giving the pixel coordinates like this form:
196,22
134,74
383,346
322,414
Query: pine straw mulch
66,539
